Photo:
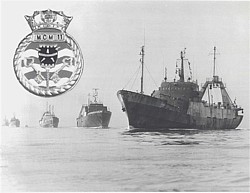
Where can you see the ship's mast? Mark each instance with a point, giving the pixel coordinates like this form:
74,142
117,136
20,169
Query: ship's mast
88,98
182,66
95,94
52,110
142,64
165,78
214,61
214,54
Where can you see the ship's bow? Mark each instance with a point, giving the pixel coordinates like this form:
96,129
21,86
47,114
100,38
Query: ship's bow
121,96
146,112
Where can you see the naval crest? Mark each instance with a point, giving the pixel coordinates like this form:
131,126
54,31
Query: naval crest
48,61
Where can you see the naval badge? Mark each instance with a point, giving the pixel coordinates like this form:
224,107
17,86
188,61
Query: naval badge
48,61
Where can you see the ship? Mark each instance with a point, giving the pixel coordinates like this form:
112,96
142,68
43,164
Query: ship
14,122
180,104
94,114
5,122
48,118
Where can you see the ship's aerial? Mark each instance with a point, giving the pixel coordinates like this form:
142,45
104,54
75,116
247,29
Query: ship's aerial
181,104
49,119
94,114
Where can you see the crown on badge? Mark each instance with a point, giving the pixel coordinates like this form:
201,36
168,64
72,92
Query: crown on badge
48,19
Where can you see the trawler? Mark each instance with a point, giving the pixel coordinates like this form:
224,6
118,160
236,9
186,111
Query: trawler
180,104
14,122
94,114
49,119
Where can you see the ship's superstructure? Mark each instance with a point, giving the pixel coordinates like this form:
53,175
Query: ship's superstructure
180,104
94,114
49,119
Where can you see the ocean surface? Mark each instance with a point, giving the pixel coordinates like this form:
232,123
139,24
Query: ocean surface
114,159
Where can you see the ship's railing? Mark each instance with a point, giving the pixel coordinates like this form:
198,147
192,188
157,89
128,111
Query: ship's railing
216,79
220,105
93,102
193,81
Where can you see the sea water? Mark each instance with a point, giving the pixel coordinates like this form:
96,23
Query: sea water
114,159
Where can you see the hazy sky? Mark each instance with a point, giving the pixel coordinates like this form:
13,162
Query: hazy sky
110,34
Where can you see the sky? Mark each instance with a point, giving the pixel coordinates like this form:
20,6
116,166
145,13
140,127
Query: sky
110,34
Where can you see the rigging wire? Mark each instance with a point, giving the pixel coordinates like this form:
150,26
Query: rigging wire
151,76
176,70
136,72
135,77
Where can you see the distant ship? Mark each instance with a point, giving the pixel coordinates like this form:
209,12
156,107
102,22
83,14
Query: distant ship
180,104
95,114
14,122
49,119
5,122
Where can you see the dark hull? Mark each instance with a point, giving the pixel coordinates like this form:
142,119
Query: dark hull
47,124
148,112
95,119
15,123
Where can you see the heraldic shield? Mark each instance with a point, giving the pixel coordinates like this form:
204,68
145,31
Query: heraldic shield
48,61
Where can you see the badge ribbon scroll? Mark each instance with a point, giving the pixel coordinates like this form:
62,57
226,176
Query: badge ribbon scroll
48,61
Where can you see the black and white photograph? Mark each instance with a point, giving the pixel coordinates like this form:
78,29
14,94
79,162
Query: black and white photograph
125,96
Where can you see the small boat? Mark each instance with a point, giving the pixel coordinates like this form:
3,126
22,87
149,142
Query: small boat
95,114
5,122
14,122
49,119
